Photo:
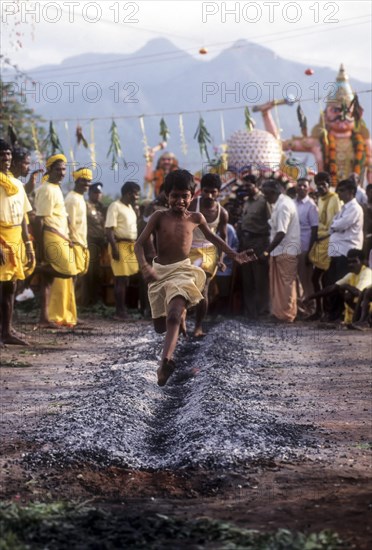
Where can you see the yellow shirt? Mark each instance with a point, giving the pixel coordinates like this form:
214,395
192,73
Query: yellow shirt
50,205
77,214
123,219
14,207
359,281
329,206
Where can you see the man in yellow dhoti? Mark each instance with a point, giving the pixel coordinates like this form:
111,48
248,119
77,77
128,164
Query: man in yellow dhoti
14,242
55,249
329,205
62,305
121,230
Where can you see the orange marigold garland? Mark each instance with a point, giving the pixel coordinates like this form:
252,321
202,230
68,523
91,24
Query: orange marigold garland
330,154
359,150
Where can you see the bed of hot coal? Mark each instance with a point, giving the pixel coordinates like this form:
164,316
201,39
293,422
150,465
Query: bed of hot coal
218,410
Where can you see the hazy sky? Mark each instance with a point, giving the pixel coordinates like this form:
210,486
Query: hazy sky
313,32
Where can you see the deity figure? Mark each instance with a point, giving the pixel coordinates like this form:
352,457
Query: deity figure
340,142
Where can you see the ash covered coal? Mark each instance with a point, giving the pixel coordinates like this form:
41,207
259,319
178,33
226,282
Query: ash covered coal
219,408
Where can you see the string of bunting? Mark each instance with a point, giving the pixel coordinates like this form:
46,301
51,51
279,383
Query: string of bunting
193,112
52,143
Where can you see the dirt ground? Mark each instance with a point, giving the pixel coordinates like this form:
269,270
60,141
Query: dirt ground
332,392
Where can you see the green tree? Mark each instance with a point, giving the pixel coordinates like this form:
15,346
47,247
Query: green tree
25,125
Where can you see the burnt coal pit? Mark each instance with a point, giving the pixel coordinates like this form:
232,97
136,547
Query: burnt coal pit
220,408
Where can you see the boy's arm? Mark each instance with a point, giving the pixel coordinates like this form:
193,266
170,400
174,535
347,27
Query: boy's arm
241,257
139,248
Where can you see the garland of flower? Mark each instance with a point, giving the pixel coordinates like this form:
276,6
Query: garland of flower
330,154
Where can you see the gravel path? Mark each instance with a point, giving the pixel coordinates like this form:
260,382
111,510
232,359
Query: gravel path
228,403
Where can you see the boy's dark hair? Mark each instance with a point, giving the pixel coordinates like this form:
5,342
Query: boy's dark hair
350,185
356,253
322,176
4,145
130,187
180,180
20,153
369,187
212,181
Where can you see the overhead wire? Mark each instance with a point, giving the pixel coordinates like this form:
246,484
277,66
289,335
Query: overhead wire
131,61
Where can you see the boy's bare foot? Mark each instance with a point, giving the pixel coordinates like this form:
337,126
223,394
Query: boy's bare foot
13,340
165,370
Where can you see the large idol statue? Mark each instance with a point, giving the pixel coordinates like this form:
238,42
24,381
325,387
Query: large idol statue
340,142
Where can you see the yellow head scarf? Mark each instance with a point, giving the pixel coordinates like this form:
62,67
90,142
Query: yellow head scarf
84,173
6,183
54,158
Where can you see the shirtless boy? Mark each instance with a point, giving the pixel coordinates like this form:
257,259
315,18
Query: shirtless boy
174,283
203,254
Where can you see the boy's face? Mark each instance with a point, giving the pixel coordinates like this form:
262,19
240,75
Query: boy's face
210,194
179,201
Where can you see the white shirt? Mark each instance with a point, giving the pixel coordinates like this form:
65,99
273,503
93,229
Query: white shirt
284,218
361,196
346,230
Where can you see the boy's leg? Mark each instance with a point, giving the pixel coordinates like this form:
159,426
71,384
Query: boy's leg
160,325
201,310
175,315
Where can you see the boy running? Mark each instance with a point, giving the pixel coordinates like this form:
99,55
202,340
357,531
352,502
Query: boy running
173,282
